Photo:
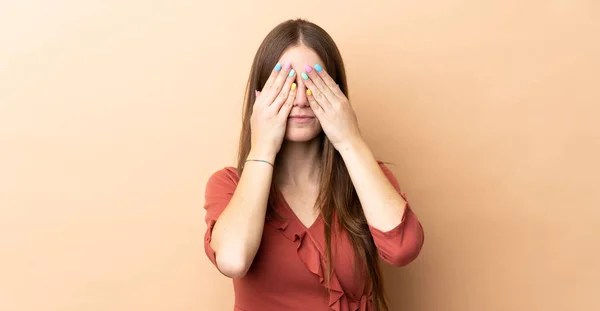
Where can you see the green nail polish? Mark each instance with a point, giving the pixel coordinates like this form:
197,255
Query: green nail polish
304,76
292,73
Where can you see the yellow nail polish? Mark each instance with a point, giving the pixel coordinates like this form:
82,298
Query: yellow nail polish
293,86
308,92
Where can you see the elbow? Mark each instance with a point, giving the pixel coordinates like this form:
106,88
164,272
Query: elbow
401,257
407,248
232,265
406,253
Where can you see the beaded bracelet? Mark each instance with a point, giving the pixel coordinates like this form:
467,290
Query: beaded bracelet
260,161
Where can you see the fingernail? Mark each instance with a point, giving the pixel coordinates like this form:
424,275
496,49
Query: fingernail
292,73
293,86
287,66
318,68
304,76
308,68
255,93
278,67
308,92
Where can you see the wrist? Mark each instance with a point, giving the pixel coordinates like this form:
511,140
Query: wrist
351,145
258,154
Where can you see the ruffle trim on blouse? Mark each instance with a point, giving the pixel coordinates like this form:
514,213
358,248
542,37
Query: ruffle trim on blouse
313,257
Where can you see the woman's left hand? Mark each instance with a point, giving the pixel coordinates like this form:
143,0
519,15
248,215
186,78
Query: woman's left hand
331,107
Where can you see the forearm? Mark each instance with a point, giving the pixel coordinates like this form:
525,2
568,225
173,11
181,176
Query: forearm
383,206
237,233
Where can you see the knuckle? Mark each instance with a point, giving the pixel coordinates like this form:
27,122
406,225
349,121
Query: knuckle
281,97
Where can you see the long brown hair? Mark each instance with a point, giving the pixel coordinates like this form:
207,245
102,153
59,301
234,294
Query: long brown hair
337,196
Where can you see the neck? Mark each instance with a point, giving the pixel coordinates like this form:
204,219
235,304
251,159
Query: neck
298,163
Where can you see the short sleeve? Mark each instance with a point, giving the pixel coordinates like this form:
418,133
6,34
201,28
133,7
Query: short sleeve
219,189
402,244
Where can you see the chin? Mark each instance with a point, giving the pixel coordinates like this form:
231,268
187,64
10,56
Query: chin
301,135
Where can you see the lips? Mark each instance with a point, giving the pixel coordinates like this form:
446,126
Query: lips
301,119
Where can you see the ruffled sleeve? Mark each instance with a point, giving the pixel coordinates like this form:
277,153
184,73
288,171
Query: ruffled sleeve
402,244
219,190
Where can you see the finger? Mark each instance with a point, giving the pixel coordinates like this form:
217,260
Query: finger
277,85
316,93
283,94
329,82
316,79
272,76
314,105
286,108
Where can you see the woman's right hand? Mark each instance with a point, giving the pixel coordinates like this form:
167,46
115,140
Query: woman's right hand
271,110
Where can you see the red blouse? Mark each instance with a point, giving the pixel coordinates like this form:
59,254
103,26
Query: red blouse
288,270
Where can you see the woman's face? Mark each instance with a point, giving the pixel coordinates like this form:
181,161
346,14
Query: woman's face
300,128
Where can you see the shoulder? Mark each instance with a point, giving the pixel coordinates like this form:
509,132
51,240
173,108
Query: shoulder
389,174
384,167
228,172
223,179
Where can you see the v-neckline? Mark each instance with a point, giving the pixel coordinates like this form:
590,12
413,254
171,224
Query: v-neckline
291,211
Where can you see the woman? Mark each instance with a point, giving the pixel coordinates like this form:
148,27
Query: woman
301,222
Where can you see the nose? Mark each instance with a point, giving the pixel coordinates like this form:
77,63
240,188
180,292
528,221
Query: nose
301,99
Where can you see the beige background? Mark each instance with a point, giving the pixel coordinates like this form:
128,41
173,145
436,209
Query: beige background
114,113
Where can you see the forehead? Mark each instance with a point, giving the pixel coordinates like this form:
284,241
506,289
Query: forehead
300,56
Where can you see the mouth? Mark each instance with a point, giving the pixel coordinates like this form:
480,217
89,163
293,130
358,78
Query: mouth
301,119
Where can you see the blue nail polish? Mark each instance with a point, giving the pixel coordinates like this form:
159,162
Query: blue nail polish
278,67
304,76
318,68
292,73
